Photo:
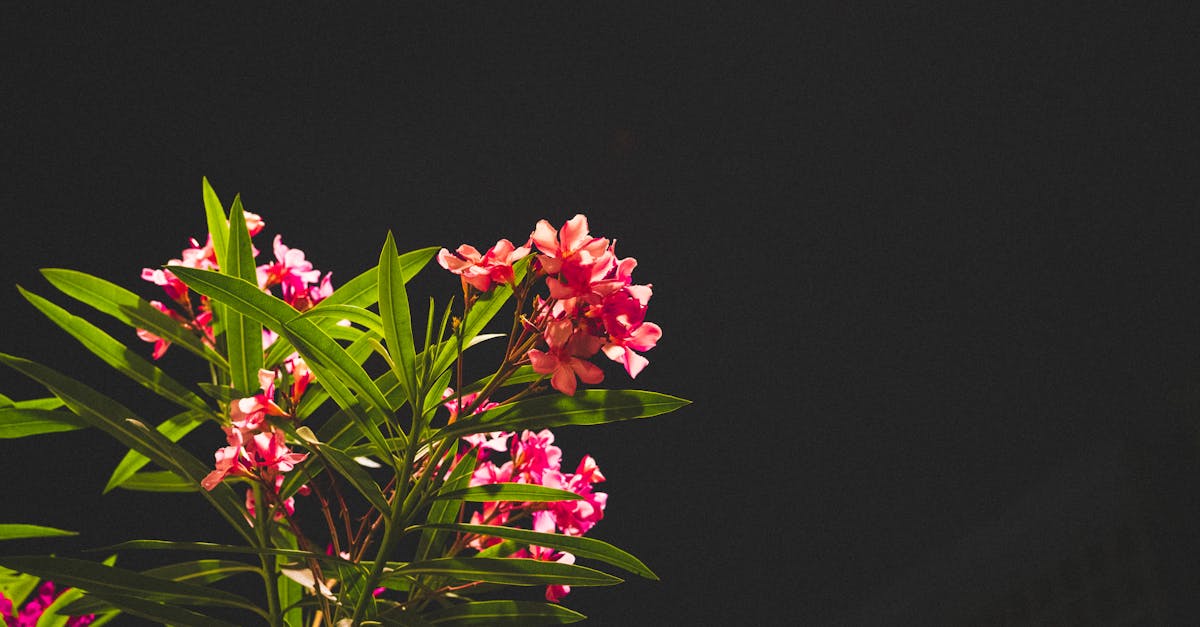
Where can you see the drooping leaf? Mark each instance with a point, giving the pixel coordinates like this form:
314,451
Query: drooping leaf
509,571
116,354
158,481
503,612
204,571
586,407
15,531
119,422
173,428
357,315
350,470
102,581
577,545
19,423
213,547
163,613
128,308
526,492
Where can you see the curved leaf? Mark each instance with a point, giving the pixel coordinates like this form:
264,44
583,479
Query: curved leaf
102,580
16,531
349,469
368,319
19,423
577,545
201,571
119,422
129,308
586,407
503,612
157,481
527,492
173,428
116,354
508,570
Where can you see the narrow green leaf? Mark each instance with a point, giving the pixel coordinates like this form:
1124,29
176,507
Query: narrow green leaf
102,580
357,315
204,571
503,612
116,354
349,469
218,222
586,407
50,402
508,570
396,317
173,428
243,335
54,615
5,401
119,422
212,547
128,308
16,531
157,481
162,612
16,586
577,545
19,423
526,492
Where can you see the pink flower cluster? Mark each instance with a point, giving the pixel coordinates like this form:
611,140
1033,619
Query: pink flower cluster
300,285
535,460
32,612
257,449
593,304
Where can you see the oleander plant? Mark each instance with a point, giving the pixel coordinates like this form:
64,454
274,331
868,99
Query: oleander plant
369,478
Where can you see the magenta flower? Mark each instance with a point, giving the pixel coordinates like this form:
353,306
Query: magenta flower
32,612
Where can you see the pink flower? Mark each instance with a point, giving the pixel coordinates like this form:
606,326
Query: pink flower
572,243
31,614
534,454
160,345
171,284
565,345
482,271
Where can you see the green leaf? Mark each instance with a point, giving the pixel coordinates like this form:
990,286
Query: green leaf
158,481
16,586
173,428
54,615
5,401
363,290
102,580
218,222
128,308
349,469
16,531
162,612
18,423
397,323
357,315
482,311
204,571
503,612
527,492
577,545
116,354
119,422
508,570
243,335
50,402
586,407
444,510
212,547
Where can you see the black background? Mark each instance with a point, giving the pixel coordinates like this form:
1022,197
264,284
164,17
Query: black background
906,260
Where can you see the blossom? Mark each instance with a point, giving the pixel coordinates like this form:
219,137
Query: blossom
572,243
562,359
31,614
160,345
481,271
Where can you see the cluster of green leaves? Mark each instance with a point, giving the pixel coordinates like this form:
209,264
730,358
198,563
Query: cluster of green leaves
387,416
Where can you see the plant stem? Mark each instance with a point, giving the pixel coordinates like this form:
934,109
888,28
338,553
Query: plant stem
263,527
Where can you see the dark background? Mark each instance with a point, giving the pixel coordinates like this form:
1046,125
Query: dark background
907,261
